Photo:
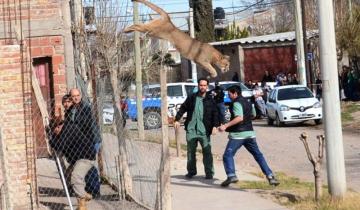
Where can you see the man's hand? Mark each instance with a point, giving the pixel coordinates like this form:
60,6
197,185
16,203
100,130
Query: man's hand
222,128
214,131
176,124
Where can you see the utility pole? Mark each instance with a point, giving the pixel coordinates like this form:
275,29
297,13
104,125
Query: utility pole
300,44
192,35
309,74
139,108
332,117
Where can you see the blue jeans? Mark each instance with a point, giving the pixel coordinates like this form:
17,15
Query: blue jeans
250,144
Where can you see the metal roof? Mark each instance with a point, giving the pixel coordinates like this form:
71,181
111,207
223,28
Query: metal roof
278,37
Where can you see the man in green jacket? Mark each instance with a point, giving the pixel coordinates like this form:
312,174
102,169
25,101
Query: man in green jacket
201,121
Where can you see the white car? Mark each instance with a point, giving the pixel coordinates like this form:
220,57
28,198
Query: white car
293,103
108,114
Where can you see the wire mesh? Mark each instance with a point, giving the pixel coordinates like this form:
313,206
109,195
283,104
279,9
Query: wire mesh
100,140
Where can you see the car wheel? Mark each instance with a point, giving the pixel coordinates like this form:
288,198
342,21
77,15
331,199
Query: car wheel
278,122
318,121
152,120
269,120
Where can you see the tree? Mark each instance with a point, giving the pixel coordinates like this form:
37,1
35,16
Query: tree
234,32
348,35
203,20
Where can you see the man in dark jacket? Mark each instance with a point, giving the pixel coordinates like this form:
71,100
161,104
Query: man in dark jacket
241,132
218,94
201,121
79,136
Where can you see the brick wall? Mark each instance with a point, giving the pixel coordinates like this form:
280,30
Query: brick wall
52,46
39,9
13,126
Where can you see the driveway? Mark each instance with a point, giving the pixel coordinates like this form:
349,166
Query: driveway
286,153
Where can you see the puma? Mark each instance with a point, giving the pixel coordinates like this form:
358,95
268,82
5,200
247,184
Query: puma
201,53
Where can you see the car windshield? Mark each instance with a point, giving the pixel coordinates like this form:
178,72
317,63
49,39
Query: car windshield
227,85
151,92
294,93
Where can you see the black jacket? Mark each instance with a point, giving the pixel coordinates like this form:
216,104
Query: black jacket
246,124
79,134
219,97
211,116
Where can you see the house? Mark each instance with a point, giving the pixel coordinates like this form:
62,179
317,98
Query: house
251,56
35,37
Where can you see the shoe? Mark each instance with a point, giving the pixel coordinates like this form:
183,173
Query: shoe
209,176
189,175
82,204
229,180
273,181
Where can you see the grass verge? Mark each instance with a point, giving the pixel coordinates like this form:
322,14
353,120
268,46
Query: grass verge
347,111
299,195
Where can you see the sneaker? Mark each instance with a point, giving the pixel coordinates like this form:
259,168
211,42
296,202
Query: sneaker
229,180
273,181
189,175
209,176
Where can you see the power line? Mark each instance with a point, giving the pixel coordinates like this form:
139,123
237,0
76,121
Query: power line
228,13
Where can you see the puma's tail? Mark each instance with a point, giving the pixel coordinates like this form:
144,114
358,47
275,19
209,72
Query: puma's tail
155,8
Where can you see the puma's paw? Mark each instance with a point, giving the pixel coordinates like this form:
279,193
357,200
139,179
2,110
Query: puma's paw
128,30
213,74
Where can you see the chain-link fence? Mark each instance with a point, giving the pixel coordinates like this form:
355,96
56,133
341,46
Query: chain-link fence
99,152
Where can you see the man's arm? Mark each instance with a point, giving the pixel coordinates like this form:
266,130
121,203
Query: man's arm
183,109
239,117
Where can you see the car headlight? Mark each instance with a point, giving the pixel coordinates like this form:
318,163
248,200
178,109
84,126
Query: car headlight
317,105
284,108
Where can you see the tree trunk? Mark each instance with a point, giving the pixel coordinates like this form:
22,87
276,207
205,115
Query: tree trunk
318,181
203,20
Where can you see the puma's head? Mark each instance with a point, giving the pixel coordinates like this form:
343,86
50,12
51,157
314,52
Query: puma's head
224,63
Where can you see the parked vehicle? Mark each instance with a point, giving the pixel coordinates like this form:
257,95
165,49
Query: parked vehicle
108,112
246,92
293,103
176,92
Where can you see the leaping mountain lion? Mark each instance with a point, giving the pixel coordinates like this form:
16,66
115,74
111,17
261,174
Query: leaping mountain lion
201,53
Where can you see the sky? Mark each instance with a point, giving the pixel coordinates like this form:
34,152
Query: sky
123,9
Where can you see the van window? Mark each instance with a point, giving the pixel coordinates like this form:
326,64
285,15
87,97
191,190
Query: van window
174,91
189,89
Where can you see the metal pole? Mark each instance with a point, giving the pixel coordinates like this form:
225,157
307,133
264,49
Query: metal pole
332,117
300,44
140,117
165,158
63,180
309,74
192,35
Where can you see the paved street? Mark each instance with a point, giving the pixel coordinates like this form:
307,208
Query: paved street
285,152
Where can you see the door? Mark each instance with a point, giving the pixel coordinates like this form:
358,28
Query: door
43,72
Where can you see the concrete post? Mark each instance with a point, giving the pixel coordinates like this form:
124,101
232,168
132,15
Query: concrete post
331,106
300,44
192,35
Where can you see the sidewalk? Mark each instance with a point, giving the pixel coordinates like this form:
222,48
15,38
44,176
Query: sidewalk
201,194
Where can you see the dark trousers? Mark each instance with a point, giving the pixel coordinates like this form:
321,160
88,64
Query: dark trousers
207,155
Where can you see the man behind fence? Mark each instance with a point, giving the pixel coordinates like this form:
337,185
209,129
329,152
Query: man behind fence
202,120
79,136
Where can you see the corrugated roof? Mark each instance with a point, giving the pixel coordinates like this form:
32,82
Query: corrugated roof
278,37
